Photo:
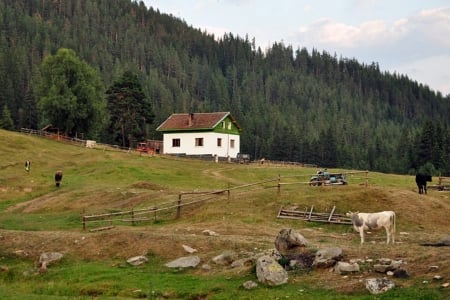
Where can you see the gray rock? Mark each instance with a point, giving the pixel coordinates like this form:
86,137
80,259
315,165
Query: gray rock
290,242
225,259
209,232
184,262
382,268
249,285
270,272
188,249
379,285
48,258
137,260
328,257
345,267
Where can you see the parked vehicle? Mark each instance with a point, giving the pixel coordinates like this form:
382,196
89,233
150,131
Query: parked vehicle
142,147
243,158
325,178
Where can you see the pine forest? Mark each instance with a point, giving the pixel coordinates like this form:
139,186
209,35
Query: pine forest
114,70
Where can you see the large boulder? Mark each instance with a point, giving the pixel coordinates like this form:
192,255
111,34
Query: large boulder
270,272
289,242
328,257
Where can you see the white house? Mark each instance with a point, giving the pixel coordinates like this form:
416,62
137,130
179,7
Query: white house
212,134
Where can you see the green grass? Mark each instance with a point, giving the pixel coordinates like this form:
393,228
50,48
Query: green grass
97,180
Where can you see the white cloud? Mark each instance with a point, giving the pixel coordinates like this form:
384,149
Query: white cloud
329,33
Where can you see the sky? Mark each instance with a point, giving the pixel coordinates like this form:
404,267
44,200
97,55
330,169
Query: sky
409,37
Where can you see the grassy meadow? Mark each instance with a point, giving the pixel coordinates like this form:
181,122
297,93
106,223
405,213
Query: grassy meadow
37,217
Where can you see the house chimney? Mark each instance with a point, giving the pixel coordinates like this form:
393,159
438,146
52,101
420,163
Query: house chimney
191,119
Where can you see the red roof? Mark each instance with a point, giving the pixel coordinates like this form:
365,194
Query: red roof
194,121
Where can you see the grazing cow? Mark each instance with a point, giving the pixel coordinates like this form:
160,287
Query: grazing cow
421,180
58,177
374,221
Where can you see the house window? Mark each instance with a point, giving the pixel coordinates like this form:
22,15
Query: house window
229,126
176,143
223,124
199,142
219,142
231,143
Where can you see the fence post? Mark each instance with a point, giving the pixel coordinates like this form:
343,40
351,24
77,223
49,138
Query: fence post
179,206
84,219
367,178
279,183
228,191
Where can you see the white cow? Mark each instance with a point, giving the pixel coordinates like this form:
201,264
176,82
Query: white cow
374,221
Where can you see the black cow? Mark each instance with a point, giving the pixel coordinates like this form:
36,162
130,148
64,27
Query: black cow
58,177
421,180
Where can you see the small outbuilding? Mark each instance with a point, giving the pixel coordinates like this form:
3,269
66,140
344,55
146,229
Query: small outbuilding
201,134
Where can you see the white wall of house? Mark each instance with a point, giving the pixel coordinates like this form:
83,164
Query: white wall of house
190,143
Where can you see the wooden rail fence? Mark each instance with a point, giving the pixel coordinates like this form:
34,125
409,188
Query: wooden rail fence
312,216
106,221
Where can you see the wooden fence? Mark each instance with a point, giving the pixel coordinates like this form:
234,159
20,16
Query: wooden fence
442,185
312,216
173,209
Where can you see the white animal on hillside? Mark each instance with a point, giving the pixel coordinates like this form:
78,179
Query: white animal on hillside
374,221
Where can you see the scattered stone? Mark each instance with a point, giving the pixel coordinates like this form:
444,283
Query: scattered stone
137,260
384,261
225,259
433,268
328,257
345,267
445,285
206,267
47,258
184,262
249,285
379,285
270,272
290,242
189,249
382,268
209,232
437,277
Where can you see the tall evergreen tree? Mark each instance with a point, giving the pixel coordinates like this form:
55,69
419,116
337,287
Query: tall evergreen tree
130,111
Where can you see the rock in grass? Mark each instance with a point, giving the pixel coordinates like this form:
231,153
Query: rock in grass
184,262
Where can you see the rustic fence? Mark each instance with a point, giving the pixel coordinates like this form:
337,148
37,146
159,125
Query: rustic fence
74,141
442,185
173,209
313,216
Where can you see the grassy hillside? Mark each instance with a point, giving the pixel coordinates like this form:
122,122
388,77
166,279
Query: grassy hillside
37,217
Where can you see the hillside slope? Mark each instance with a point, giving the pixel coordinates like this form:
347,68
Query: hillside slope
37,217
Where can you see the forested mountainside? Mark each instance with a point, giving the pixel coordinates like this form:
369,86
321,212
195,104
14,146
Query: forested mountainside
292,104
